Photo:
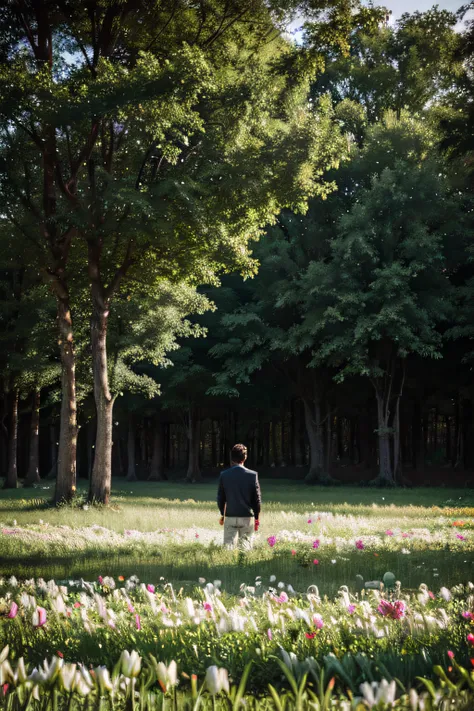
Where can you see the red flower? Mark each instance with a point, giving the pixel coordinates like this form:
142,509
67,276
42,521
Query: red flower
60,654
293,552
310,635
316,561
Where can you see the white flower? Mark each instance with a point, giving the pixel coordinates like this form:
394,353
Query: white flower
445,594
272,578
67,675
413,698
131,663
103,677
281,585
378,692
13,582
167,676
217,680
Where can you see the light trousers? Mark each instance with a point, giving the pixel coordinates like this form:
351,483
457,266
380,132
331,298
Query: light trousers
236,529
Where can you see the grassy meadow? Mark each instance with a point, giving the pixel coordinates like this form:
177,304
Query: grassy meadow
170,530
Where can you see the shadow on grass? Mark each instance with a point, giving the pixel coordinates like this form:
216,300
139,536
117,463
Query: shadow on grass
185,567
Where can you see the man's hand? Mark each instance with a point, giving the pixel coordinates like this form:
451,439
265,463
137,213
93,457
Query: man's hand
257,524
221,521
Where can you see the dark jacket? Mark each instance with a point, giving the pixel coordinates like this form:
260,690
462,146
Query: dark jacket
240,490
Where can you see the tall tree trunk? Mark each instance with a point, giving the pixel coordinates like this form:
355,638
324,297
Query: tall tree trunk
33,476
312,412
11,482
131,449
194,426
101,477
157,461
275,453
385,459
66,468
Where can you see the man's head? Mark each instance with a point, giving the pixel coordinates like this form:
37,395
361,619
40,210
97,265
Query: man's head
238,454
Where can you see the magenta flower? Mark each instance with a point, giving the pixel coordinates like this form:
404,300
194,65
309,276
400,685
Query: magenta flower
13,610
351,609
395,610
207,606
450,654
468,615
460,536
315,561
316,544
389,532
100,579
137,622
360,544
150,588
310,520
271,541
318,621
470,638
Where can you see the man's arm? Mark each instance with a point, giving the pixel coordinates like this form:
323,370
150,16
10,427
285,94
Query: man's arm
221,500
256,498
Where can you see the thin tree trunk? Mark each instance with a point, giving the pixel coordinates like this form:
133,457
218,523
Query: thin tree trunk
11,482
194,472
33,476
157,461
131,449
101,477
312,412
385,462
66,470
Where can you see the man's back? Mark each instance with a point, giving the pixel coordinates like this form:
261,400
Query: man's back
239,492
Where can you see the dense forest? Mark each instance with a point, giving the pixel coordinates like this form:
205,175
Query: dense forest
212,232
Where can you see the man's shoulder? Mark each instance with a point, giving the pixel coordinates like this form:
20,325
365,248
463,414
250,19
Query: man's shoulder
237,470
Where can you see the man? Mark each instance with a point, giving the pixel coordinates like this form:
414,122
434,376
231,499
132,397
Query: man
238,498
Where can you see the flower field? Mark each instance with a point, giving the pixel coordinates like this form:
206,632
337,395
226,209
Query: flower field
334,608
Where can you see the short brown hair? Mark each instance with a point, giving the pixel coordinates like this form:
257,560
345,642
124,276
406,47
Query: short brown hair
238,453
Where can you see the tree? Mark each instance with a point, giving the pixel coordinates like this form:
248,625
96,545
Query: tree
161,159
385,292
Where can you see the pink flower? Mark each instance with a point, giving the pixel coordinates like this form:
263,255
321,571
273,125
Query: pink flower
432,595
316,544
315,561
196,535
77,605
137,622
100,579
310,520
470,638
360,544
269,634
395,610
450,654
150,588
207,606
13,610
351,609
271,541
460,536
318,621
293,552
404,535
39,617
283,597
130,606
389,532
163,608
468,615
